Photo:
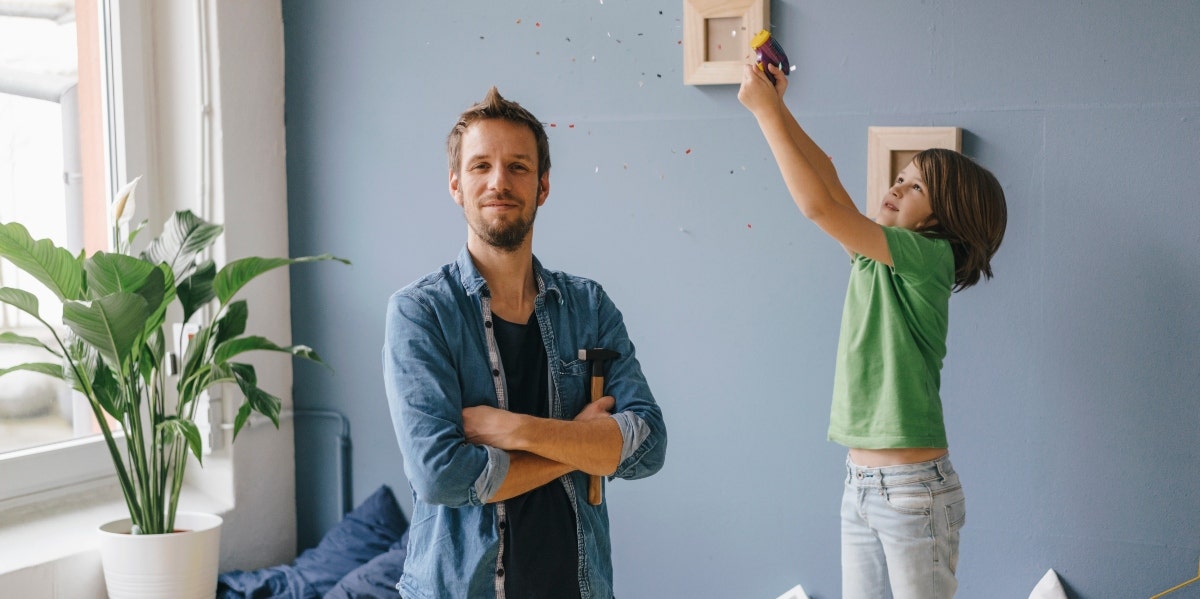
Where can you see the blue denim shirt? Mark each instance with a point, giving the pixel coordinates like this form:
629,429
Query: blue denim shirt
440,356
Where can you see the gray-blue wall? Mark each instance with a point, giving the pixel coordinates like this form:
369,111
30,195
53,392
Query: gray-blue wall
1072,379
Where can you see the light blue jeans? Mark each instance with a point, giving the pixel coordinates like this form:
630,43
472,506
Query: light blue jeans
900,531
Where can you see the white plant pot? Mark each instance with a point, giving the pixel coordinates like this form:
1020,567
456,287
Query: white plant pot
179,565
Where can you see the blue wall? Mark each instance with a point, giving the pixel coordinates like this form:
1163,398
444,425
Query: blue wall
1071,383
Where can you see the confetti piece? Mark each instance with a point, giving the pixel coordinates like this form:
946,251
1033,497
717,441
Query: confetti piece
571,126
553,125
748,226
518,21
537,24
689,151
597,169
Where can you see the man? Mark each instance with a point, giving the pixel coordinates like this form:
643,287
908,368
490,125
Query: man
490,400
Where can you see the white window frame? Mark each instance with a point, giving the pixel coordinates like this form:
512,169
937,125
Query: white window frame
77,465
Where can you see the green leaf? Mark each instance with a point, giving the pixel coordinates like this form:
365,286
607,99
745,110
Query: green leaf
21,299
159,291
184,236
151,356
187,430
108,391
197,290
134,233
236,274
55,267
239,421
109,273
197,352
257,400
233,347
15,339
112,324
233,322
54,370
83,357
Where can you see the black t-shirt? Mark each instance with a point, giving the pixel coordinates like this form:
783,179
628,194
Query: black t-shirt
540,546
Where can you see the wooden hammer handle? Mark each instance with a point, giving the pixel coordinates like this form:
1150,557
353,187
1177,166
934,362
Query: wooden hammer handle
595,485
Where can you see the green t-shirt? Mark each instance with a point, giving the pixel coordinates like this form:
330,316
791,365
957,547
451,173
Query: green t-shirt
892,342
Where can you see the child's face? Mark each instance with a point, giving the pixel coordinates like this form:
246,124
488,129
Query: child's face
906,203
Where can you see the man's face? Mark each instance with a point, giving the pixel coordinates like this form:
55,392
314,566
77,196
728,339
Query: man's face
497,183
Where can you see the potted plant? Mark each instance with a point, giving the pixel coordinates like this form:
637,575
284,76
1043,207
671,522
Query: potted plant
114,350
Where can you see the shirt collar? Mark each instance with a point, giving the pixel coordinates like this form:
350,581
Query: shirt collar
475,284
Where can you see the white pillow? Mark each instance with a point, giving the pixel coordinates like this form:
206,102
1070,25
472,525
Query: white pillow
1049,587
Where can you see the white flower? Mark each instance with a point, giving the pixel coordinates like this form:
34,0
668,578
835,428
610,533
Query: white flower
125,204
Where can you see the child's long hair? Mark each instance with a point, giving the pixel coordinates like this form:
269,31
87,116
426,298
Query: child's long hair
968,203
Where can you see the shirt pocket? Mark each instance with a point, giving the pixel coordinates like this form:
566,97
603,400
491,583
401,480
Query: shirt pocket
574,380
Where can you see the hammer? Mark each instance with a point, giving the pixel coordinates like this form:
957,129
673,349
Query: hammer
598,356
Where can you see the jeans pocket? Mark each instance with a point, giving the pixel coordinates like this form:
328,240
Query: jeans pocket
956,514
910,499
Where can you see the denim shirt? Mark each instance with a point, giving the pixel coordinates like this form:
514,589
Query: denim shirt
440,356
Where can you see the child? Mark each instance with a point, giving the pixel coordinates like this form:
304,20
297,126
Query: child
936,231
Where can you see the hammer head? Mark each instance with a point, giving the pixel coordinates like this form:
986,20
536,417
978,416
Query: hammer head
598,356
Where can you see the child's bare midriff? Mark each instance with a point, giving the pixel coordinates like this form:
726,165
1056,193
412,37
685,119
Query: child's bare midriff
878,458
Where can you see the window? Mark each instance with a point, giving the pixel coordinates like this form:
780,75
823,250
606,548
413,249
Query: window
64,89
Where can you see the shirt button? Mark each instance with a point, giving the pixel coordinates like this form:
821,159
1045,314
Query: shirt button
495,372
499,572
487,323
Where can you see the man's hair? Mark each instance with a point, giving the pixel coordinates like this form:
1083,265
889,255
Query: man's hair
493,106
971,213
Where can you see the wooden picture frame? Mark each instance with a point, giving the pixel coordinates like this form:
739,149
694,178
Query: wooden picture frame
716,38
890,149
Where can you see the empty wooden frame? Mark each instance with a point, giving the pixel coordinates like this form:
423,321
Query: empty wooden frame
716,38
890,149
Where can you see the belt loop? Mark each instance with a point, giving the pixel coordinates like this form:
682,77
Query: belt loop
941,462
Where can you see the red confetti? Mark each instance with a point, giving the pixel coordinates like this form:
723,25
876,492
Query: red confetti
571,126
748,226
552,125
689,151
538,24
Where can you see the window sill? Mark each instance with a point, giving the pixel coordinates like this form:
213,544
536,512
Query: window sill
51,549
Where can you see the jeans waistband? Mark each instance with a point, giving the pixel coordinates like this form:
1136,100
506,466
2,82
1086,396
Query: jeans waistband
904,474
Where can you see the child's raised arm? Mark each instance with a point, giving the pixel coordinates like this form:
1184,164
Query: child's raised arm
807,171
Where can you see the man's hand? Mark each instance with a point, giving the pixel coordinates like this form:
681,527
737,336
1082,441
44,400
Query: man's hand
591,442
601,408
485,425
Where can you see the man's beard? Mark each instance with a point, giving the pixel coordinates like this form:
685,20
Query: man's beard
505,236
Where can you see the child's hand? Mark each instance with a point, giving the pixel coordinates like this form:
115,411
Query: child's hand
756,93
781,80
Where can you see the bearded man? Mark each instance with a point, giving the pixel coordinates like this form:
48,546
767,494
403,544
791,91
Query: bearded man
489,398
